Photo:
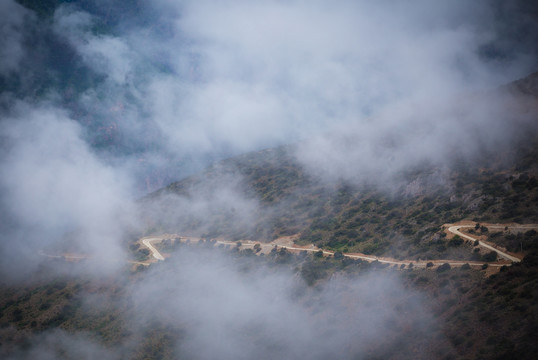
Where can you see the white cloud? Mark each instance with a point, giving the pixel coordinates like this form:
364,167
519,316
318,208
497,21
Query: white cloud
11,36
53,186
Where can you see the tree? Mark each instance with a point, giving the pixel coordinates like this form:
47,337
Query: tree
338,255
318,254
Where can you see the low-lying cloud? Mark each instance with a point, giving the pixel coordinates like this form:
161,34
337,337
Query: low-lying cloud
228,309
56,194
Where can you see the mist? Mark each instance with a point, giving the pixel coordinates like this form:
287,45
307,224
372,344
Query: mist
102,104
236,307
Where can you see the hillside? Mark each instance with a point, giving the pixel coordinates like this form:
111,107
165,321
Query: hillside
402,220
227,296
446,314
265,180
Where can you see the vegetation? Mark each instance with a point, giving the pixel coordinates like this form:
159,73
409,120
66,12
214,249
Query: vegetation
364,218
480,317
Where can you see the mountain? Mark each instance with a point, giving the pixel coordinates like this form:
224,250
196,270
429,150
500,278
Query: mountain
208,301
269,194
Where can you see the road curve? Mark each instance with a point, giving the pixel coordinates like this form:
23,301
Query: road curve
154,252
455,230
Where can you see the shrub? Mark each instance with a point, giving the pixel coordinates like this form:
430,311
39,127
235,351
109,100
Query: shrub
444,267
455,241
490,256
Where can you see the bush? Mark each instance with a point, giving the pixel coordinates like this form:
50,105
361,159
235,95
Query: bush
490,256
144,252
455,241
444,267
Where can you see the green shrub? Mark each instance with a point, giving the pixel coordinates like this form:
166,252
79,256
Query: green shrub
490,256
444,267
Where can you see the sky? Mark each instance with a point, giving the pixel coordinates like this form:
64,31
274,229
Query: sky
101,103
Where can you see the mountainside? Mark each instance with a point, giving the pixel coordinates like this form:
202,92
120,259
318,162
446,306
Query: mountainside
449,313
268,180
274,196
319,304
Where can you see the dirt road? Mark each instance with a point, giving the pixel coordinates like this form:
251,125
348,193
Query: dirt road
267,247
147,241
454,229
288,243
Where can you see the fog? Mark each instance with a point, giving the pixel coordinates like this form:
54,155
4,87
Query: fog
251,311
209,303
101,104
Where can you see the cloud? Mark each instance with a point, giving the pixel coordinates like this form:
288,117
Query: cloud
104,54
429,132
184,83
11,37
242,76
229,309
53,185
58,343
204,206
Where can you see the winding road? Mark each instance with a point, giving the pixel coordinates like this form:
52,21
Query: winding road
289,245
